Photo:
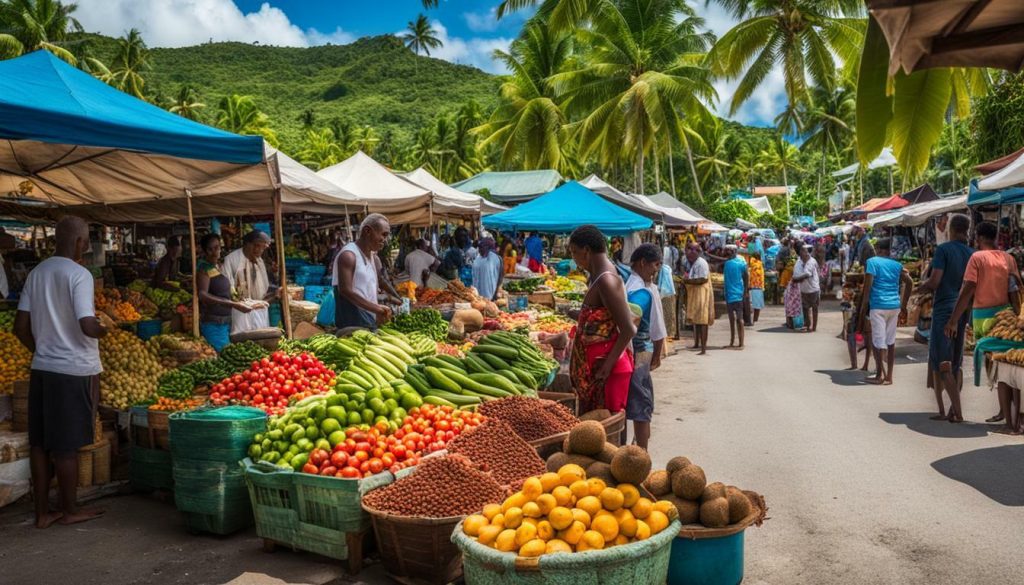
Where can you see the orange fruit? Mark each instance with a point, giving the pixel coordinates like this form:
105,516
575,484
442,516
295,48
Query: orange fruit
573,533
642,508
627,523
531,510
580,489
612,499
581,516
657,521
560,518
630,495
549,481
596,486
546,502
506,541
525,533
606,526
533,548
563,496
545,531
643,531
558,546
491,510
513,517
488,534
592,540
516,500
472,524
590,505
571,472
532,488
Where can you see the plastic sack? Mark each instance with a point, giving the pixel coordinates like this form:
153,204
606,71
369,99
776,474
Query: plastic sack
325,318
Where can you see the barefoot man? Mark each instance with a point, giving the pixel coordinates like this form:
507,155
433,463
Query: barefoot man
700,297
737,290
57,321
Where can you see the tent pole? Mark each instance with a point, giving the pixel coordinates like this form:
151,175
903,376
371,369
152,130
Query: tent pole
192,250
286,312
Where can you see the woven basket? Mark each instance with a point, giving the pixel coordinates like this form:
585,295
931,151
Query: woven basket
614,427
101,463
419,548
19,406
85,467
755,518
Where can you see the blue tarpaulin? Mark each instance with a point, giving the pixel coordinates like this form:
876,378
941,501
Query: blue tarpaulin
44,99
1001,197
565,209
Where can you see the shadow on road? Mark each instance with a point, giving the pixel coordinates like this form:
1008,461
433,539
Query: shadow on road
845,377
778,329
995,472
921,423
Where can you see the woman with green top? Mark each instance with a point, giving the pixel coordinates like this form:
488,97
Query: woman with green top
215,299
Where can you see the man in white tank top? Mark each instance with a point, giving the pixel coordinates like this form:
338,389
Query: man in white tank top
357,277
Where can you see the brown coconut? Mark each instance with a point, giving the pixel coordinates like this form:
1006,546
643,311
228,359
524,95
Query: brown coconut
607,452
689,510
586,438
689,482
659,483
675,464
631,464
712,491
714,513
739,504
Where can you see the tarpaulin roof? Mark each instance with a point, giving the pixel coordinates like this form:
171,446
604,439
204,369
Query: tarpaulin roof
772,190
565,209
247,192
1010,175
884,159
449,200
68,138
914,215
920,194
951,33
511,186
381,190
671,217
881,204
992,166
665,200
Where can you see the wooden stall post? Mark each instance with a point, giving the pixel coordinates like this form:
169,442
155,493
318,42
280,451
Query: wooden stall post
275,179
192,249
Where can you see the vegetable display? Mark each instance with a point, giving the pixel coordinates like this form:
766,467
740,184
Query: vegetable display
242,355
175,384
426,321
531,419
209,371
271,381
523,286
497,448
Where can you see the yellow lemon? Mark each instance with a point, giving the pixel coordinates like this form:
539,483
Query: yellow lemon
532,488
560,518
549,481
525,533
545,531
506,541
630,495
664,506
491,510
570,472
472,524
592,540
657,521
488,534
498,520
581,516
643,531
611,499
563,496
573,533
580,489
516,500
557,546
596,486
531,510
606,526
533,548
546,502
627,523
619,540
530,521
642,508
590,505
513,517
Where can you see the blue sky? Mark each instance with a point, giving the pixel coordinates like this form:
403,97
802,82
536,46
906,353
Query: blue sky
468,28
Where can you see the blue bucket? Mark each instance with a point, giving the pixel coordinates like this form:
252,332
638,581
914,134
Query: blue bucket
707,561
148,329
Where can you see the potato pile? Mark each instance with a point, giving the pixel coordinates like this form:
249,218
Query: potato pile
713,505
1008,326
130,371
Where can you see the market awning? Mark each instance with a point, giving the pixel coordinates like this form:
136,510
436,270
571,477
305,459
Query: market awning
1009,175
884,159
381,190
975,196
760,204
881,204
951,33
667,201
914,215
70,139
920,194
992,166
566,208
511,186
451,201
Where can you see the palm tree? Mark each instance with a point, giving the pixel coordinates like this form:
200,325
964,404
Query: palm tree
320,150
528,126
713,154
187,104
130,61
29,25
641,76
829,117
781,157
421,36
802,37
239,114
560,15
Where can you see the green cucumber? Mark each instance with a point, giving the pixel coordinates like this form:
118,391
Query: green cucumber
458,399
476,365
352,377
495,381
438,379
438,401
384,363
525,377
501,351
495,362
437,362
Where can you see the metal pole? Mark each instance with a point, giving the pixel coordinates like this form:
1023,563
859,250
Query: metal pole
192,250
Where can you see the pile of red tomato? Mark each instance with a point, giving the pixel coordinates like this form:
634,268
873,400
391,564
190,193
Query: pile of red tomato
270,383
367,452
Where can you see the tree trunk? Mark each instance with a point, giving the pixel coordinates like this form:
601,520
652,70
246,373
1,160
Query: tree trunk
785,181
821,173
693,169
671,168
657,172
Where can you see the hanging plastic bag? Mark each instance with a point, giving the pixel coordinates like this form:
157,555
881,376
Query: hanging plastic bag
325,318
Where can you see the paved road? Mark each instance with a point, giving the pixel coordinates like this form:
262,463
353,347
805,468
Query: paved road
862,487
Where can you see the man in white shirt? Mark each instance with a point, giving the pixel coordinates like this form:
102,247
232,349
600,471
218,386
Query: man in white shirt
806,274
247,273
57,321
420,262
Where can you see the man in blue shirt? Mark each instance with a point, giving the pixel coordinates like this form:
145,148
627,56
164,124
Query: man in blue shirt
882,279
945,354
535,252
737,285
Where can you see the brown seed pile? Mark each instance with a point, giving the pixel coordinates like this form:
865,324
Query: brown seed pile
497,448
530,418
439,488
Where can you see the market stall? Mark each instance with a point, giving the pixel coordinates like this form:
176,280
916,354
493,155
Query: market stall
565,209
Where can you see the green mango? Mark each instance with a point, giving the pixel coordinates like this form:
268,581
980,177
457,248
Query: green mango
368,415
411,400
336,437
380,419
258,438
336,412
255,451
304,445
294,449
299,460
354,418
390,404
388,393
398,414
377,406
330,425
335,400
323,444
312,432
266,444
299,434
275,435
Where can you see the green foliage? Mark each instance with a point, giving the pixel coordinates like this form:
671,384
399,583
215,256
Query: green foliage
727,212
806,202
997,122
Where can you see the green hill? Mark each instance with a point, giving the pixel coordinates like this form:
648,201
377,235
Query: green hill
374,81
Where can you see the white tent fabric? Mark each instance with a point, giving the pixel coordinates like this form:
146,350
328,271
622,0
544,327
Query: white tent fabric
449,200
670,216
884,159
667,201
247,191
379,189
1009,176
760,204
915,215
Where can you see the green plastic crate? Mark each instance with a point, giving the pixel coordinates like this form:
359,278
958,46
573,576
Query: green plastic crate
308,512
212,495
150,469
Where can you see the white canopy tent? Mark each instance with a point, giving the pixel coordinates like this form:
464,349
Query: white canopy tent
760,204
1009,176
449,200
381,190
885,159
646,206
667,201
915,215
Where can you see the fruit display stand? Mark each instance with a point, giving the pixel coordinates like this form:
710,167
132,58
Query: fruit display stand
713,556
640,563
615,429
206,446
310,512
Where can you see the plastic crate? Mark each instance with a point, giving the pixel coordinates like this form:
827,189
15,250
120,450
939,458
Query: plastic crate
308,279
148,329
150,469
316,293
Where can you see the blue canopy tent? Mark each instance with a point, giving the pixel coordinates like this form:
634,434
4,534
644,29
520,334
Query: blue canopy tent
565,209
1006,196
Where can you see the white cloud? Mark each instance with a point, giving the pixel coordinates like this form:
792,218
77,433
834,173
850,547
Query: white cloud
180,23
475,51
482,21
760,109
